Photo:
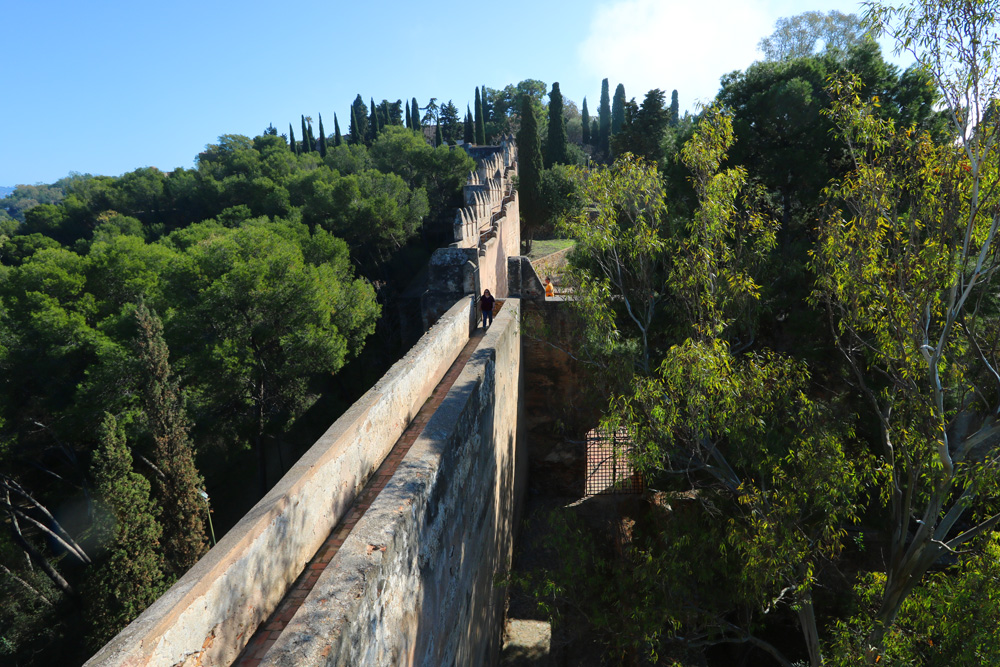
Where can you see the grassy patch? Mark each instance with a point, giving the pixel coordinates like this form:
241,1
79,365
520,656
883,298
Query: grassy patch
541,248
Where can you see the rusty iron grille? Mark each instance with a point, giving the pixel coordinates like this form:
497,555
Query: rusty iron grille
609,468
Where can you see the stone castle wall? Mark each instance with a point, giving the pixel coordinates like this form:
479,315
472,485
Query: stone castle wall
414,582
208,616
487,231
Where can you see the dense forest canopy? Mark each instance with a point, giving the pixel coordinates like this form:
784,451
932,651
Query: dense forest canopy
790,305
157,322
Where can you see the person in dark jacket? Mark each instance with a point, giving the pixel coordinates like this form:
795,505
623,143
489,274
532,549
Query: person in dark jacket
486,302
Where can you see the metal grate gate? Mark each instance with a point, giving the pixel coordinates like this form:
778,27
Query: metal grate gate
609,468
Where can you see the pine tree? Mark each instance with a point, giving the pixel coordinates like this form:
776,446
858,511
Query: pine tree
337,139
555,145
604,120
179,490
675,109
322,138
469,135
291,139
529,160
130,577
618,110
585,123
480,123
415,116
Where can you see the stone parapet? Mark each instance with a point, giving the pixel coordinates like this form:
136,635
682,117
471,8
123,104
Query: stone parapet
414,582
207,617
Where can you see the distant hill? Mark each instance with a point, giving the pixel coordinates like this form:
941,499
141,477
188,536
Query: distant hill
5,190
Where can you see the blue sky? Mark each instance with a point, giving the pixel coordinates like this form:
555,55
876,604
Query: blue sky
106,87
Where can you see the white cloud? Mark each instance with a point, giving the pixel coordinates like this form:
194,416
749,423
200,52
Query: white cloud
670,44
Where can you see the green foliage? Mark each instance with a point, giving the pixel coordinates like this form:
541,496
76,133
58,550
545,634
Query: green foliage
25,197
618,110
468,130
622,253
529,171
480,121
506,106
277,320
322,138
179,488
943,622
585,123
643,130
449,123
803,34
359,121
604,120
906,261
560,192
130,576
555,143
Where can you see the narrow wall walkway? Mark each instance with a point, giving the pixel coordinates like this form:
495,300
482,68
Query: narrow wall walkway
269,631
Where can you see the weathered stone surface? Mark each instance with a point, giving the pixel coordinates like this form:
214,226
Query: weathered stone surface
527,644
523,280
413,584
209,614
558,408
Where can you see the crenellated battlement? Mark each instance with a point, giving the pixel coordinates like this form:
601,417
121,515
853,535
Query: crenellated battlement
487,193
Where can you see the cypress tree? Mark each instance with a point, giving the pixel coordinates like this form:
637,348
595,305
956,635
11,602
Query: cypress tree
337,139
179,490
359,121
555,145
595,133
675,109
438,136
415,115
529,160
618,110
487,108
469,135
604,119
408,125
130,577
480,123
373,127
305,137
291,139
322,138
312,139
585,123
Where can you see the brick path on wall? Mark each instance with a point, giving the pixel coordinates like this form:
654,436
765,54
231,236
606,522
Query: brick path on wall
270,630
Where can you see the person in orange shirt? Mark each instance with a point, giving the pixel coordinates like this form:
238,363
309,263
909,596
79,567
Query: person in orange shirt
550,289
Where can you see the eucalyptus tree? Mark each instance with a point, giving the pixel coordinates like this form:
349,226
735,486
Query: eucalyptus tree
907,269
